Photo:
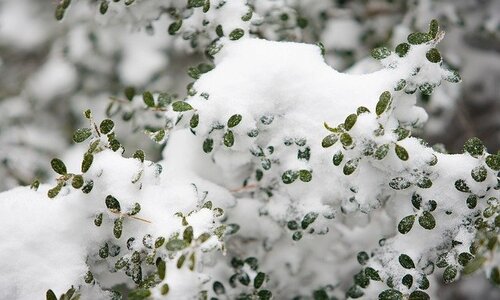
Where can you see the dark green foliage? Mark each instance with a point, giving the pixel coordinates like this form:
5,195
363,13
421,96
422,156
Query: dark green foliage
390,294
406,224
479,173
181,106
305,175
337,158
234,120
289,176
406,261
229,138
236,34
399,183
362,257
308,219
106,126
112,203
433,55
427,221
450,274
81,134
418,38
401,152
208,145
462,186
380,53
77,181
402,49
329,140
87,162
350,121
174,27
419,295
383,103
58,166
493,161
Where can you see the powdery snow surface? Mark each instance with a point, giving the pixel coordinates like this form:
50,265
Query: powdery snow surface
284,93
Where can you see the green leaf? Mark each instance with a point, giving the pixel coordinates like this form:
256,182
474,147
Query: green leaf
58,166
433,55
234,120
77,181
176,244
471,201
402,49
353,292
464,258
129,93
174,27
390,294
53,192
264,295
427,221
424,182
297,235
259,280
148,99
98,220
112,203
381,151
187,236
50,295
329,140
346,139
401,152
380,53
372,274
407,280
418,38
195,119
462,186
87,162
479,173
449,275
453,77
229,138
308,219
399,183
495,275
337,158
218,288
493,161
419,295
362,110
181,106
106,126
305,175
362,258
289,176
474,146
208,145
81,134
136,208
433,28
162,269
350,121
59,13
383,103
236,34
350,166
103,7
474,265
118,227
406,261
406,224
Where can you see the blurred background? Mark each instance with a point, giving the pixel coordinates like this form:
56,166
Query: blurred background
51,71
